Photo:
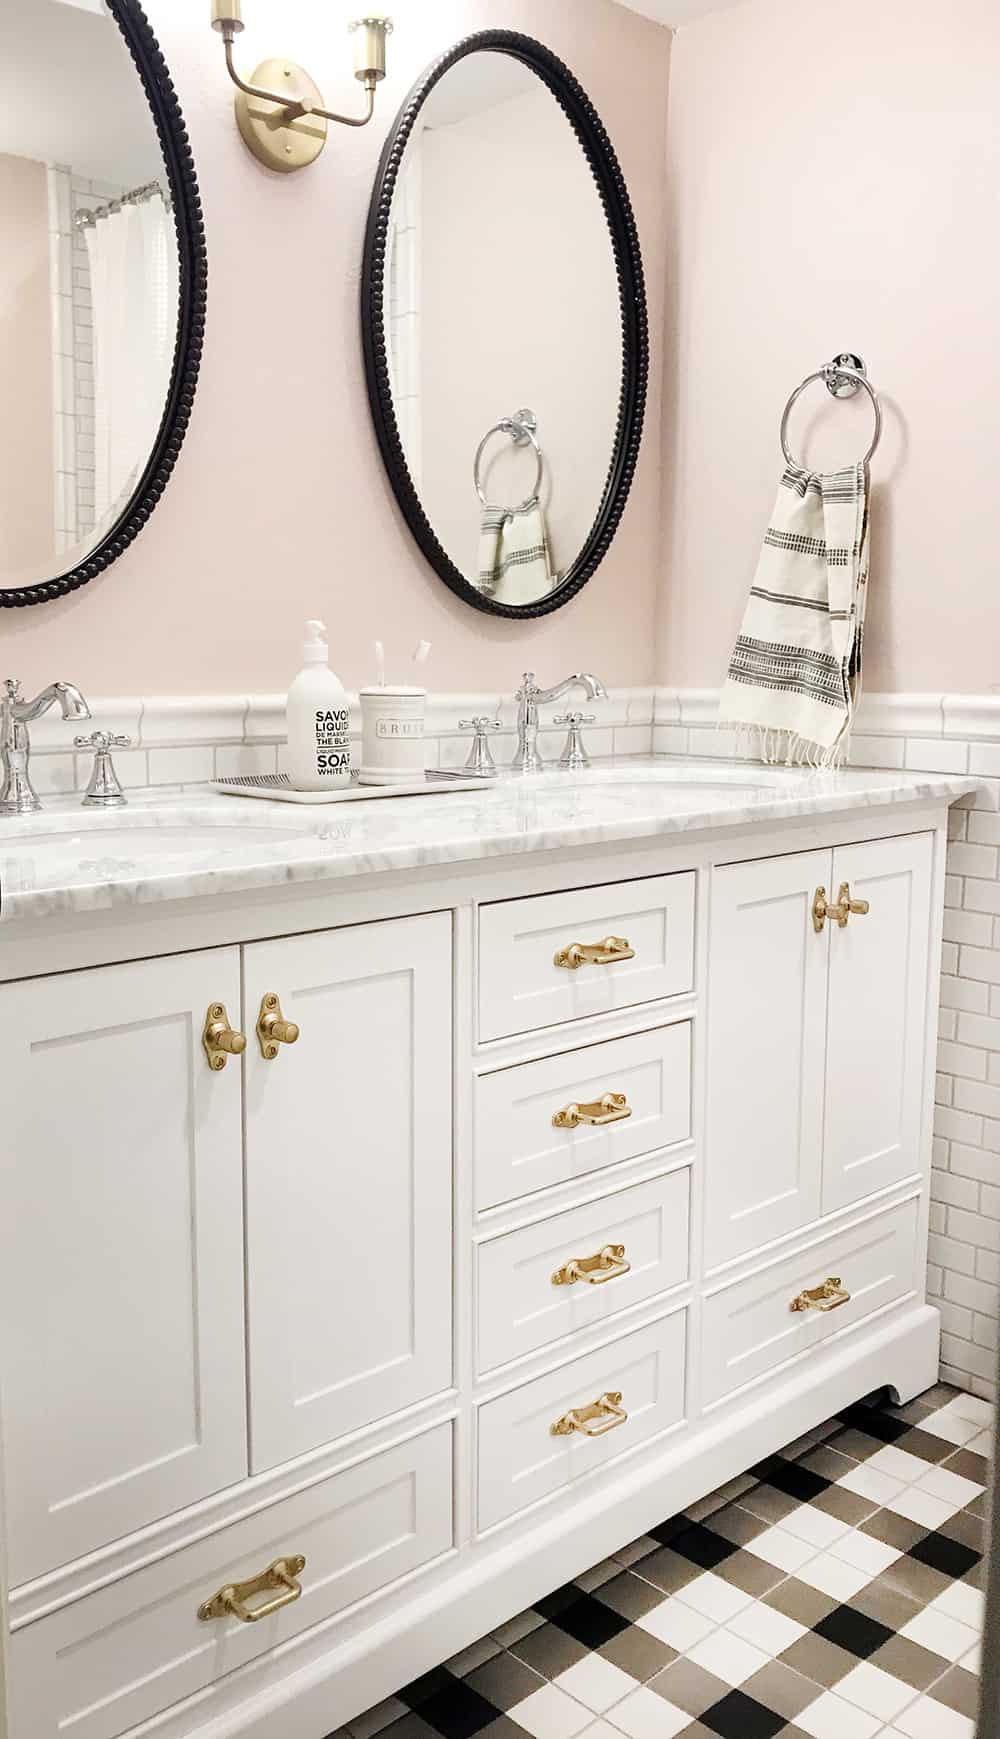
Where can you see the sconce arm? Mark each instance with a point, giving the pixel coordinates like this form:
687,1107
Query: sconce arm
294,110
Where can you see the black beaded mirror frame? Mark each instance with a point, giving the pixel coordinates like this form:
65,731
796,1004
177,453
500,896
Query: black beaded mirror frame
193,281
597,147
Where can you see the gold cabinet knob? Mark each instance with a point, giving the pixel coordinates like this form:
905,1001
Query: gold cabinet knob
273,1030
604,1414
830,1296
609,1108
221,1041
606,953
231,1601
608,1264
838,911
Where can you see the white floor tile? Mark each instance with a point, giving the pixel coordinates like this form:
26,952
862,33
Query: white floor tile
939,1633
864,1552
941,1482
831,1718
727,1656
766,1628
550,1714
815,1526
919,1506
973,1407
972,1662
832,1576
867,1483
880,1693
674,1623
782,1549
898,1464
982,1445
596,1683
601,1730
714,1598
963,1602
643,1715
949,1425
926,1719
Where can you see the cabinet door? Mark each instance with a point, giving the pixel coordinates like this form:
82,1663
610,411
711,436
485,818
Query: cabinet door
877,1018
121,1253
766,1045
349,1181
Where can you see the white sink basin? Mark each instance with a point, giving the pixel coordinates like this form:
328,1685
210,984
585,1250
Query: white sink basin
140,842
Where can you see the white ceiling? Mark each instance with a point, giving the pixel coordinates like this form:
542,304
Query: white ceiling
674,12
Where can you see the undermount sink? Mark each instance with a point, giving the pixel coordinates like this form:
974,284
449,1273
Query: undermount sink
139,834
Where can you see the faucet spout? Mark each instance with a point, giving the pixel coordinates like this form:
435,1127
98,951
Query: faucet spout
62,694
529,697
17,795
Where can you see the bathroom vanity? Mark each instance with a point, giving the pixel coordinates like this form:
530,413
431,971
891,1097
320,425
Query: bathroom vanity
577,1157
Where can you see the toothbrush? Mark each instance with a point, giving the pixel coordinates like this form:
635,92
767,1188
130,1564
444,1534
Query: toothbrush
379,664
421,652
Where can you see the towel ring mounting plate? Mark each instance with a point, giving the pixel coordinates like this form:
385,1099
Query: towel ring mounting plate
521,428
844,377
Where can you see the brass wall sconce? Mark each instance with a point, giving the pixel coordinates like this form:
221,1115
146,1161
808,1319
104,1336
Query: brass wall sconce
280,113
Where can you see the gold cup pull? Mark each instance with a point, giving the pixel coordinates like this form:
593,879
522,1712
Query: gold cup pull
606,953
273,1030
610,1108
231,1601
608,1264
221,1041
604,1414
838,912
830,1296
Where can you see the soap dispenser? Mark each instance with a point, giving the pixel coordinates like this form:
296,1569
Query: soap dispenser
318,720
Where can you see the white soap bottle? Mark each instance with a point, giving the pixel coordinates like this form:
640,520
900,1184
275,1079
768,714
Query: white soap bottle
318,720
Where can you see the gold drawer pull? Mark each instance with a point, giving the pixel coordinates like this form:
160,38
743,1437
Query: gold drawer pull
273,1030
608,1264
610,1108
221,1041
599,1416
830,1296
231,1601
605,953
845,908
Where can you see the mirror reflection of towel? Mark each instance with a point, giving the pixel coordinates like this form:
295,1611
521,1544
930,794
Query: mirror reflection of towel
514,555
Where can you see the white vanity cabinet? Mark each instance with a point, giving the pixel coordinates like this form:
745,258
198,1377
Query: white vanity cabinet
569,1186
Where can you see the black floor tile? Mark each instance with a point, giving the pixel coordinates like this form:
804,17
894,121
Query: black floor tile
701,1546
853,1631
949,1556
740,1717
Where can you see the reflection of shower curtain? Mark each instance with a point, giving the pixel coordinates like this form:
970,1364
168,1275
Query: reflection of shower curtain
133,273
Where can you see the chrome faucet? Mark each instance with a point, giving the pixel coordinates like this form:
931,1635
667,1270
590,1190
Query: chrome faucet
529,698
16,714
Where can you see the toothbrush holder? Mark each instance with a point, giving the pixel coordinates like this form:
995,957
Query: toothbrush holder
392,735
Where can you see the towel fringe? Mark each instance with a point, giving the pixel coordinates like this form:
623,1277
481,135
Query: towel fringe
781,748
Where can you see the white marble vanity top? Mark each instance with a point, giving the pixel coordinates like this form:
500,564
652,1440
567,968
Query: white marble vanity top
70,860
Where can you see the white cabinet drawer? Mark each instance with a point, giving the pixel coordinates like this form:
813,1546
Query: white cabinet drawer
521,1304
750,1327
118,1657
522,1460
518,1147
520,986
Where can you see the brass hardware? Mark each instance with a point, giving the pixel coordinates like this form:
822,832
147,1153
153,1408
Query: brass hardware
280,113
221,1041
610,1108
830,1296
608,1264
604,953
231,1601
845,908
595,1419
273,1030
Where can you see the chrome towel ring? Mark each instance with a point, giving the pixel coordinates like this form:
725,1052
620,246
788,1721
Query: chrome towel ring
843,377
521,429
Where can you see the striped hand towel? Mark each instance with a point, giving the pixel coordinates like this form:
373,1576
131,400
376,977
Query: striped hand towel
795,673
514,555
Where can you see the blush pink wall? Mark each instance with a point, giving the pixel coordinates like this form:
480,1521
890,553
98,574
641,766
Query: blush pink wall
27,506
279,508
834,176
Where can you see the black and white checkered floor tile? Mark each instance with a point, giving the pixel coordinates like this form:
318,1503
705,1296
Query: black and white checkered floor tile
832,1591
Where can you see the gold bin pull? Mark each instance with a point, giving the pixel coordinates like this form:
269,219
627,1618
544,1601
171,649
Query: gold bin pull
609,1108
608,1264
606,953
839,913
221,1041
604,1414
273,1030
231,1601
830,1296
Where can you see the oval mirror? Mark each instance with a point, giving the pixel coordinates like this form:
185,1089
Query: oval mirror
102,288
504,325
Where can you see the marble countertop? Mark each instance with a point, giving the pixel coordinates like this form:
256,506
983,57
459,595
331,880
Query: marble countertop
72,861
